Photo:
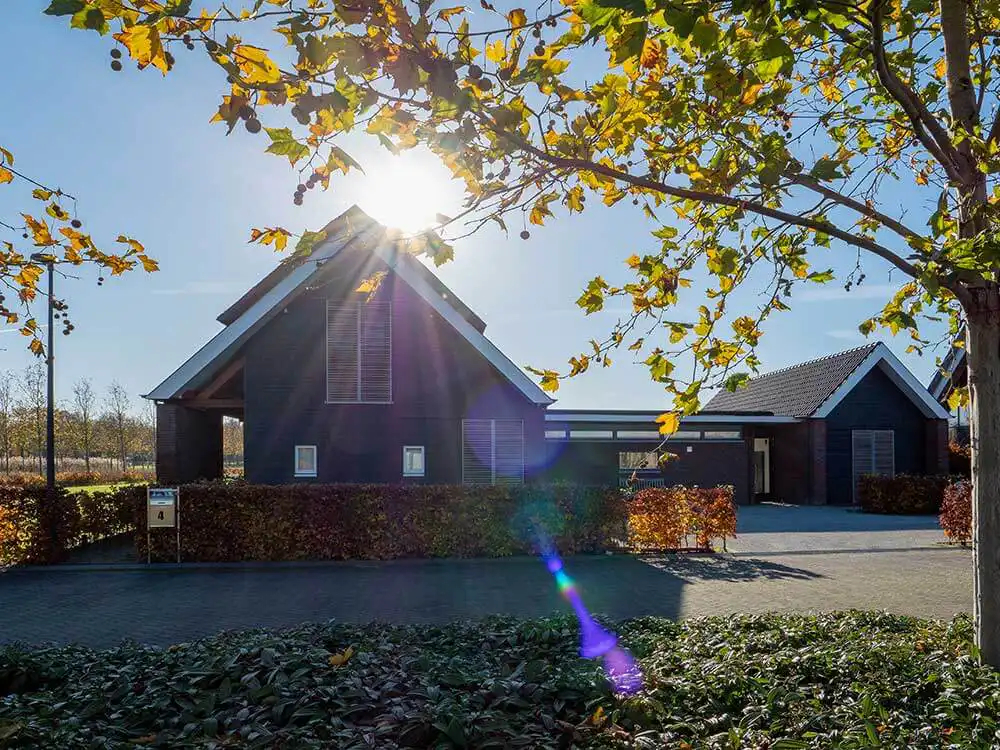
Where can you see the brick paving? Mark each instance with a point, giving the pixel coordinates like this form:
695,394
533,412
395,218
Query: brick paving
836,560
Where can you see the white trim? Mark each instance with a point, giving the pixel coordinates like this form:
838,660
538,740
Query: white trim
483,345
233,335
315,461
883,357
651,418
423,461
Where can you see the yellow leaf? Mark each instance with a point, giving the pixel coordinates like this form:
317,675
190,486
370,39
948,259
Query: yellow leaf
255,65
651,53
6,176
517,17
78,241
496,51
668,422
941,68
144,44
42,195
750,93
134,244
447,13
6,156
28,276
338,660
36,347
550,381
148,264
574,198
633,261
39,231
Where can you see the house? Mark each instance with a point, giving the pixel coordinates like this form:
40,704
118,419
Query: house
952,374
356,364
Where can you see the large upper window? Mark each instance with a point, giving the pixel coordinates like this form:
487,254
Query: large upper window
492,451
358,352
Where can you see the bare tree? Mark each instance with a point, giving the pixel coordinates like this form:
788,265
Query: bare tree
116,407
32,387
84,400
6,417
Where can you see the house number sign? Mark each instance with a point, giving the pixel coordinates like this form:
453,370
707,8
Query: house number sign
163,512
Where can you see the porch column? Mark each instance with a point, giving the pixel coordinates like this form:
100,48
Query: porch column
936,446
817,462
188,444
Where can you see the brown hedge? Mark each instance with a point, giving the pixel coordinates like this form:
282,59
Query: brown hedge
228,522
903,494
956,512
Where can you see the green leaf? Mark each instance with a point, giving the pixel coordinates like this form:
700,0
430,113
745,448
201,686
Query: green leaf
826,169
90,18
776,57
635,7
64,7
177,8
308,241
283,143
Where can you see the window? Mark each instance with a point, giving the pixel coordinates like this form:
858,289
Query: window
305,460
873,452
638,434
638,461
685,435
591,434
413,460
722,434
492,451
555,434
359,352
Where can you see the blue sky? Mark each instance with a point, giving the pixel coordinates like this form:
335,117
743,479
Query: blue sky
139,153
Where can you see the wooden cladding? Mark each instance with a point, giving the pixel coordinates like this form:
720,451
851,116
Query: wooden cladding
492,451
359,352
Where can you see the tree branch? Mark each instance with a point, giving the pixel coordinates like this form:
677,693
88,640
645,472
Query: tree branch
701,196
926,128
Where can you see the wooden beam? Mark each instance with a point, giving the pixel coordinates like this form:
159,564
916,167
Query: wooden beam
213,403
221,379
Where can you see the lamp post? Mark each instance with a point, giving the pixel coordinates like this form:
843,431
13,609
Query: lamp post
50,419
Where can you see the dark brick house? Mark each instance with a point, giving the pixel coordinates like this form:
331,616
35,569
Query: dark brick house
357,364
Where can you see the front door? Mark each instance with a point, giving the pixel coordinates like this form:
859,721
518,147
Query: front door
761,469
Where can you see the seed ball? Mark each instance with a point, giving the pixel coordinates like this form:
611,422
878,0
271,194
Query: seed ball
525,234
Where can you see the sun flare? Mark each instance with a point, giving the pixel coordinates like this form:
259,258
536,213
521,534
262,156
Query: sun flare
407,192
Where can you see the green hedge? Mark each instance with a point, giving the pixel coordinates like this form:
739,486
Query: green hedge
902,494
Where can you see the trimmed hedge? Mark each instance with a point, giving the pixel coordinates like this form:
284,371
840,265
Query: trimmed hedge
76,478
232,521
673,517
960,459
903,494
956,512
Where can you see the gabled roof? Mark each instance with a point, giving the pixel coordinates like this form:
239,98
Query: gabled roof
815,388
353,229
948,375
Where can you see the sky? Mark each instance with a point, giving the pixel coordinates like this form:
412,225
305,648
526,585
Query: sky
138,152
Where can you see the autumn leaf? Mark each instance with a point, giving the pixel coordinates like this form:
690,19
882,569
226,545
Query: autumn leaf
669,422
255,64
148,264
517,18
340,159
6,176
39,231
447,13
283,143
144,45
338,660
134,245
6,156
28,276
278,236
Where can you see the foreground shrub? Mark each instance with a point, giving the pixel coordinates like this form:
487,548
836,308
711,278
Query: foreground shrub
956,512
904,494
78,478
847,680
959,459
680,517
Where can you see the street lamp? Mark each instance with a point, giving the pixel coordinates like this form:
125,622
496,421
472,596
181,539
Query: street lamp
50,419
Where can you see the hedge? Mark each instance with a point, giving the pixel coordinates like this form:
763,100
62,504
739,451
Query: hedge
959,459
956,512
903,494
228,522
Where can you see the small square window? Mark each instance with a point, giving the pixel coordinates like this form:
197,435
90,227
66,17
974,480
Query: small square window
413,460
305,460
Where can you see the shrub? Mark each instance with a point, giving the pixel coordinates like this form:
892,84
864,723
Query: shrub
959,459
904,494
956,512
77,478
668,517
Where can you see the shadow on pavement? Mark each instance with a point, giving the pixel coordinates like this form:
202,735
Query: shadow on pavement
724,568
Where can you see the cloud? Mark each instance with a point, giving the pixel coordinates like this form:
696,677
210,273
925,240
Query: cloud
16,330
834,292
205,287
845,333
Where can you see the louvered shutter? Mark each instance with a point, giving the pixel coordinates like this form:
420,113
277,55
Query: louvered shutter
872,452
884,453
477,451
508,451
376,352
341,352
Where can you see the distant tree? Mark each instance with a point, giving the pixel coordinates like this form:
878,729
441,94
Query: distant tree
116,408
232,436
32,387
7,415
84,401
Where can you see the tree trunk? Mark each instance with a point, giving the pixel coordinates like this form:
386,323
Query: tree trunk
983,352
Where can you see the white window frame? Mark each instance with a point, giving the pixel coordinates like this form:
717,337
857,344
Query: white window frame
357,305
315,461
423,461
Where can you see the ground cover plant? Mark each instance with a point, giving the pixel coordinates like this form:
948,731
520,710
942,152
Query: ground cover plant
844,680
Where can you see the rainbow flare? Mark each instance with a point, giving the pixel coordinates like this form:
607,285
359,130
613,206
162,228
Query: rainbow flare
595,641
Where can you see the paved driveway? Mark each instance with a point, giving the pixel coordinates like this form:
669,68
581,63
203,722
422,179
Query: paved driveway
838,560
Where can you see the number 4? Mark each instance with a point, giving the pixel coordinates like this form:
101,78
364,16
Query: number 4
159,516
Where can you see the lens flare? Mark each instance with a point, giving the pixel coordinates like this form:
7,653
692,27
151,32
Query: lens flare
595,642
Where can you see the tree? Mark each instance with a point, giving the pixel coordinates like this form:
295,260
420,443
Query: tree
84,400
116,408
33,401
7,416
758,138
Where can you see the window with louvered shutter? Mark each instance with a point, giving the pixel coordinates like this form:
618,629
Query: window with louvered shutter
872,452
492,451
359,352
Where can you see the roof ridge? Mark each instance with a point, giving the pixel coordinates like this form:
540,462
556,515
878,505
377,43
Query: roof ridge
870,346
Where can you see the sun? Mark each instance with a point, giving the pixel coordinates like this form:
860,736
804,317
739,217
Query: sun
407,192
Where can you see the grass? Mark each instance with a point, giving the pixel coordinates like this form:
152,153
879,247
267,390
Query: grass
91,488
774,682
